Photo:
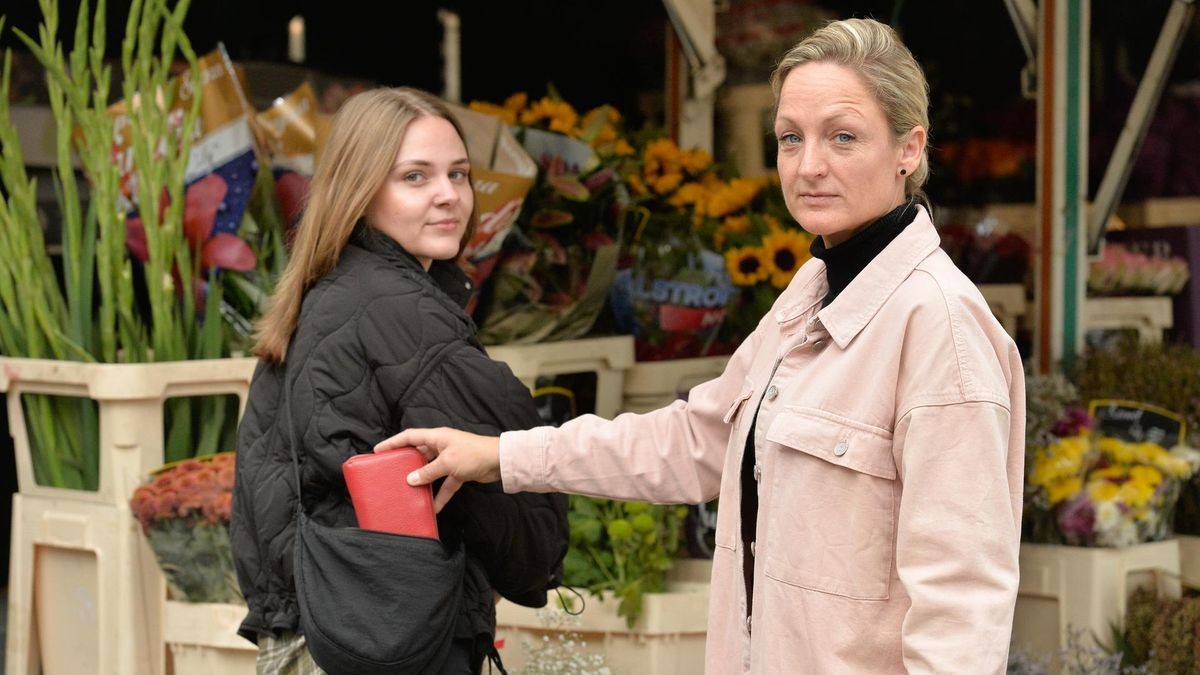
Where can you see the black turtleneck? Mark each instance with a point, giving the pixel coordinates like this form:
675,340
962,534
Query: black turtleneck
844,261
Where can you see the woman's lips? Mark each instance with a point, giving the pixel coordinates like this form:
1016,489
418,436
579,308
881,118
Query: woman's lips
813,199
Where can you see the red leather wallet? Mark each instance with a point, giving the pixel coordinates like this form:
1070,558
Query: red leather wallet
383,500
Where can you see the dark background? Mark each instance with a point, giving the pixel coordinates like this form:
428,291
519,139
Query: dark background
610,52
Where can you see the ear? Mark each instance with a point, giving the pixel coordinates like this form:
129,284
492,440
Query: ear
912,146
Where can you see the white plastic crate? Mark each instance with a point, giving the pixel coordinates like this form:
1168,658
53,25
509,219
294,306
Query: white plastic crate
203,639
607,357
1149,316
1189,561
653,384
668,638
1085,588
85,591
1007,302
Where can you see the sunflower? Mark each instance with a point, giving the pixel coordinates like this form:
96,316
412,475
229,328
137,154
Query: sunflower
747,265
560,116
786,251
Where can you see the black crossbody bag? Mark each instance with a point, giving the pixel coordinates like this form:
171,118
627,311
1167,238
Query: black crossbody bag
372,603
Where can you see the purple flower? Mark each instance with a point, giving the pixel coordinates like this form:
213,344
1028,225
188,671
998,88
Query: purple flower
1073,422
1077,517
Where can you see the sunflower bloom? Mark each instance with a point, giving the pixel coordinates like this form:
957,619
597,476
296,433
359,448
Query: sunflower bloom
747,265
787,250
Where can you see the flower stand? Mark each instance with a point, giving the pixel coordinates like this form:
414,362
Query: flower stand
85,591
653,384
668,638
202,639
1065,587
1189,560
608,357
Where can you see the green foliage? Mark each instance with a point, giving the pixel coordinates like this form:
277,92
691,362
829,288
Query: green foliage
197,560
623,547
1161,635
1166,375
90,314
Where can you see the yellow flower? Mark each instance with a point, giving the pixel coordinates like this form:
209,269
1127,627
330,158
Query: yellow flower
1146,475
688,194
787,250
733,196
747,265
623,148
696,161
1173,465
1102,490
772,222
508,116
667,182
560,116
1135,493
516,102
1118,450
1064,488
731,225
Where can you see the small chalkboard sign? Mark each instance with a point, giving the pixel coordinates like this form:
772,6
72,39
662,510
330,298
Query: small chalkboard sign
1135,422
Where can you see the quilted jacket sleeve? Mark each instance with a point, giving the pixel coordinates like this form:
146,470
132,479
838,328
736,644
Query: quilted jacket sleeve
521,539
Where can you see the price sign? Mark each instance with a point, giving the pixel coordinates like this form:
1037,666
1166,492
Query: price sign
1135,422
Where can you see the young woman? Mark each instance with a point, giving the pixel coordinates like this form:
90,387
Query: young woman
366,336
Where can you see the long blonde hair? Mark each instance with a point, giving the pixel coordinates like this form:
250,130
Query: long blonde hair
875,52
363,143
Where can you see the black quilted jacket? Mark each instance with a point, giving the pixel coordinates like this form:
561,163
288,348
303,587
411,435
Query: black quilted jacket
382,346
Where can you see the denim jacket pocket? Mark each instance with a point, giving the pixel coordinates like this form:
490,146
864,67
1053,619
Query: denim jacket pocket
832,520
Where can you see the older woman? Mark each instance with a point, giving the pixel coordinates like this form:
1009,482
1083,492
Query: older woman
865,440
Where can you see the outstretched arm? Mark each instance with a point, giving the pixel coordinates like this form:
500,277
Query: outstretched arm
457,456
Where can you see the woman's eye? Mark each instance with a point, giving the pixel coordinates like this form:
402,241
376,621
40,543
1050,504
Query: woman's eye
789,139
843,137
413,177
459,174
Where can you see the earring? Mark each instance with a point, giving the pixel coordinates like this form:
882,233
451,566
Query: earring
903,171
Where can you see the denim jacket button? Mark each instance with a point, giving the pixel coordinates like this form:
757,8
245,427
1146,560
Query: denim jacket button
772,392
841,448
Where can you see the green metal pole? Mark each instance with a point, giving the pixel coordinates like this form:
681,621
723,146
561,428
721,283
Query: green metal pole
1062,180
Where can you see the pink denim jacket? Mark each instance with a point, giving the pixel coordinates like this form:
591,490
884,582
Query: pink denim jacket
889,458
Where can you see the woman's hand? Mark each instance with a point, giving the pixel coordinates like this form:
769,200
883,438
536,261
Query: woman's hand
456,455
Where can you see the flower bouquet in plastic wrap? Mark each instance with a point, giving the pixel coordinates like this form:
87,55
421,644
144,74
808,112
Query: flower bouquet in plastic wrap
710,253
184,513
1089,487
552,277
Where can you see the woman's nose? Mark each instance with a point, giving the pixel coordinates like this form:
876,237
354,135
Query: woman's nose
812,161
447,192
